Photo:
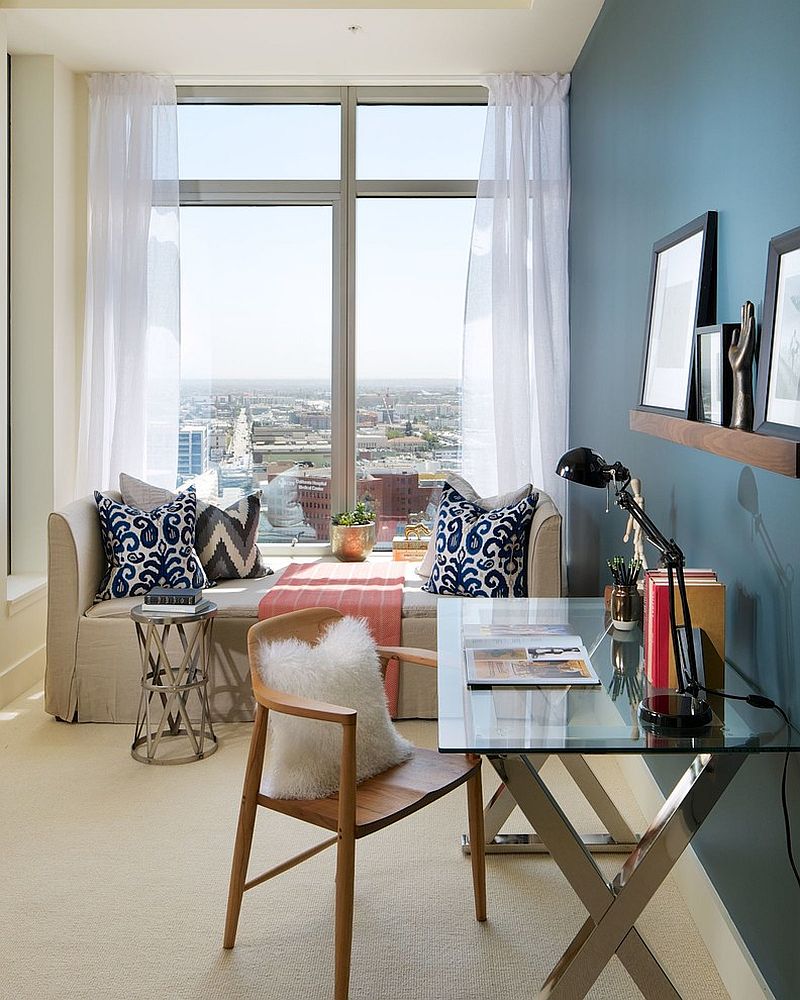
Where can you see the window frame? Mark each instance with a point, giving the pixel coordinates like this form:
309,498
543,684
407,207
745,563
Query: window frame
341,196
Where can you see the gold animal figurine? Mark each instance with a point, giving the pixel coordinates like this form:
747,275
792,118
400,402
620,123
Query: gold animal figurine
418,531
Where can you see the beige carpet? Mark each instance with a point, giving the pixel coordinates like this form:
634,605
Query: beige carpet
114,877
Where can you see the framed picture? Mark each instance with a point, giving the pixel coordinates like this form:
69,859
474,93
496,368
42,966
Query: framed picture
713,388
682,297
777,409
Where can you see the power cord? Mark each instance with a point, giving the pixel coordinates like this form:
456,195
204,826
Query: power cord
760,701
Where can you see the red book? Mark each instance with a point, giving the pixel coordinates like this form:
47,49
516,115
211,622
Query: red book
657,636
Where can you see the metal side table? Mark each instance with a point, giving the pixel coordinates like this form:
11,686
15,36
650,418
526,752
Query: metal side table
168,691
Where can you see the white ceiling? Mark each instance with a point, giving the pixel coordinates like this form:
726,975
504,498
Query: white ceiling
248,41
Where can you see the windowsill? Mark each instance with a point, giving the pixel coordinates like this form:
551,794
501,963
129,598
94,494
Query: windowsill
279,560
23,590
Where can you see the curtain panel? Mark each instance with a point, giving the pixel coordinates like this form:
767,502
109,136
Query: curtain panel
516,331
130,396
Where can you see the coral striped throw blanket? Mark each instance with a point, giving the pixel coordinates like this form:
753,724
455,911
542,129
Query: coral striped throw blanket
371,591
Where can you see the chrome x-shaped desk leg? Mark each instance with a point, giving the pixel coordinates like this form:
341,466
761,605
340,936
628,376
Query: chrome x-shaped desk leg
614,908
619,839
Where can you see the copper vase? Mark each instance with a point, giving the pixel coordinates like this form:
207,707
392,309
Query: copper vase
352,543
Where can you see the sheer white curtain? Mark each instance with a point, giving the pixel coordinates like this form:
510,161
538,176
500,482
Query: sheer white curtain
131,362
516,332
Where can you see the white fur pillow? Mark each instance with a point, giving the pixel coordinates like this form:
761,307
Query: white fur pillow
303,755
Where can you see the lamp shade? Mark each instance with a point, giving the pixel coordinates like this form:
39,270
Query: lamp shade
584,466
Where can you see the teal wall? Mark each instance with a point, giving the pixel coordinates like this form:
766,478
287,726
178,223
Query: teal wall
680,106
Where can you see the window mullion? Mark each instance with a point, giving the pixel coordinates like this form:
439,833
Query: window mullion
416,189
344,353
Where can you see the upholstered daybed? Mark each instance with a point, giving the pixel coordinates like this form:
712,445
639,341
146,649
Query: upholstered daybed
93,665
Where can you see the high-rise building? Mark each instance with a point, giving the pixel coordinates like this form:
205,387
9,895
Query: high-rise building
192,451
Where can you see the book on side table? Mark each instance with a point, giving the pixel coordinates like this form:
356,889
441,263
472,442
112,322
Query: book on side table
175,601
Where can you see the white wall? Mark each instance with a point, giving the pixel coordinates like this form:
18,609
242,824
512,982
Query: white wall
47,227
21,633
3,311
48,179
70,144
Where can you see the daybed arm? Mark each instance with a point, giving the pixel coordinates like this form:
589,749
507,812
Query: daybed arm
75,566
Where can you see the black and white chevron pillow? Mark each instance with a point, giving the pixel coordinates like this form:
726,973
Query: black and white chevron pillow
227,540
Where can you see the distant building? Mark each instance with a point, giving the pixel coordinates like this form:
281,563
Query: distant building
217,442
316,420
292,443
406,443
192,451
314,495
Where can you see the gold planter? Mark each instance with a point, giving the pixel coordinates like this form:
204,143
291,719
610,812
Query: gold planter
352,543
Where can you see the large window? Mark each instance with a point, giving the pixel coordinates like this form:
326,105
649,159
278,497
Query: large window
324,245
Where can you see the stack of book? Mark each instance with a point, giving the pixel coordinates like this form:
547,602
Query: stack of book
175,601
409,549
706,597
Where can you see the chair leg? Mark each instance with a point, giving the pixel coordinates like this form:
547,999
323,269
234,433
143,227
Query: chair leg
477,845
343,939
246,825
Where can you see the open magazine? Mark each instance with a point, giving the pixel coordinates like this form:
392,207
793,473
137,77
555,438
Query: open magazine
536,659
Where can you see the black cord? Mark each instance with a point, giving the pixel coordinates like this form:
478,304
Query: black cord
759,701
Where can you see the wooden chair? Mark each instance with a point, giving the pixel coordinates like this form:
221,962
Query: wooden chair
357,810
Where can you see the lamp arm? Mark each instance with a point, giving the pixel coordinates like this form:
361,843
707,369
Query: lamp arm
693,685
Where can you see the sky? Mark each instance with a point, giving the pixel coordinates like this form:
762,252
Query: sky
256,282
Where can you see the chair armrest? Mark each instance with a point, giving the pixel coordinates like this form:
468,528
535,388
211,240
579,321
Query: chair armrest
425,657
307,708
304,708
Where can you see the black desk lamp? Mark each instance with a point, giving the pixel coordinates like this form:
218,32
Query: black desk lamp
684,709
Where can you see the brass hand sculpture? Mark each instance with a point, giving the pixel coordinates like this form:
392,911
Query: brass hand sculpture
740,355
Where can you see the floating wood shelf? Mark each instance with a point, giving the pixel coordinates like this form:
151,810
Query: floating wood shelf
773,454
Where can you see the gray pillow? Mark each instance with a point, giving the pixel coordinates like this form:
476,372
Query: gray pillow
489,503
425,568
145,496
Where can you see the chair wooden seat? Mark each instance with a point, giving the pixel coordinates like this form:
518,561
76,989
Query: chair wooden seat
389,796
356,810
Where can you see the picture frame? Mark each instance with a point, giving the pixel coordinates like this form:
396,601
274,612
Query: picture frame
713,390
777,409
682,297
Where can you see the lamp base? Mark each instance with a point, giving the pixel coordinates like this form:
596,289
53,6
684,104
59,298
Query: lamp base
670,710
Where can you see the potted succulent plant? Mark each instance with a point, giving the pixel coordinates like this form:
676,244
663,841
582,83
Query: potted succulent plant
353,533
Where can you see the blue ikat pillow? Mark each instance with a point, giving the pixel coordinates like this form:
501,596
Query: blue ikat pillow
481,553
148,549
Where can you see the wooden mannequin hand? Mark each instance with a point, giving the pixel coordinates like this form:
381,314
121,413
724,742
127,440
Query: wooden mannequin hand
740,353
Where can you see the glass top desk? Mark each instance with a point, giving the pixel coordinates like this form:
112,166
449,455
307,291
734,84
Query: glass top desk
519,728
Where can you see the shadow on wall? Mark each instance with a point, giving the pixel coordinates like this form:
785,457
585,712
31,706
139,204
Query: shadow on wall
746,605
583,573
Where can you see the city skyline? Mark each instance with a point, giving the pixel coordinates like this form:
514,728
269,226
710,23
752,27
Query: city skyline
275,435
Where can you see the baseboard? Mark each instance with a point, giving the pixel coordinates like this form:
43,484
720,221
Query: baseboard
22,675
737,969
